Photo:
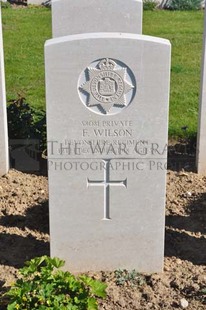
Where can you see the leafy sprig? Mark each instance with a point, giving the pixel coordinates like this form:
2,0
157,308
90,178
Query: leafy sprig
43,286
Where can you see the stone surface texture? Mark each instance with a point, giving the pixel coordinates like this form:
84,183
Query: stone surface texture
201,137
35,2
96,16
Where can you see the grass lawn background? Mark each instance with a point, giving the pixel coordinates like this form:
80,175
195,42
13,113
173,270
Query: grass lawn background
25,31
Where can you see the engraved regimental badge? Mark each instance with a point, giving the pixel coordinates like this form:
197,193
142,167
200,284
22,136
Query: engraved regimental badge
106,86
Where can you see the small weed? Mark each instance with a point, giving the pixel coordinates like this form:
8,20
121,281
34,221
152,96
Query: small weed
149,5
203,291
132,278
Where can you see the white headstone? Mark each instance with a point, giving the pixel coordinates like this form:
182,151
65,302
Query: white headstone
35,2
107,112
88,16
4,162
201,137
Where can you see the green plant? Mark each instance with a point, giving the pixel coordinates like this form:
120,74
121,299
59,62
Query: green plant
20,119
44,286
129,277
5,5
184,4
149,5
25,122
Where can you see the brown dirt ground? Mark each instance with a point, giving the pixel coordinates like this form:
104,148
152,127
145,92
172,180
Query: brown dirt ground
24,234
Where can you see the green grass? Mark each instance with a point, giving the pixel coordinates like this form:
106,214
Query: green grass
25,31
185,31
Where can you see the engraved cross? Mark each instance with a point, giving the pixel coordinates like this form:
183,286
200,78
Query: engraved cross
106,183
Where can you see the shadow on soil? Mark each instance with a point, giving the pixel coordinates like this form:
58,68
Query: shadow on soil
15,249
184,234
36,218
182,156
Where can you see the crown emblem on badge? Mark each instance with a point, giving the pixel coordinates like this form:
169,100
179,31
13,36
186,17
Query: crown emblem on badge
107,64
107,88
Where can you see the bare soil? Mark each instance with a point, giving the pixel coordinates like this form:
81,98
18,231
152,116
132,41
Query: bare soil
24,234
